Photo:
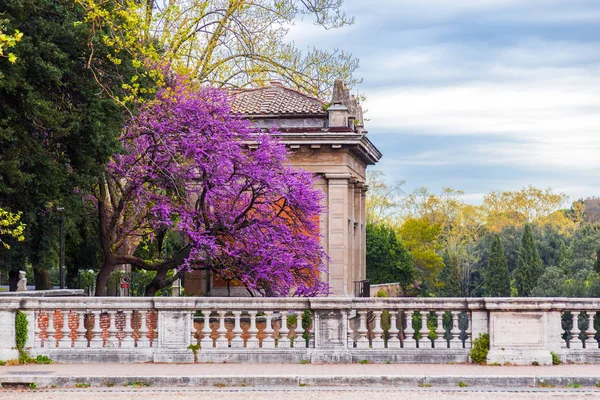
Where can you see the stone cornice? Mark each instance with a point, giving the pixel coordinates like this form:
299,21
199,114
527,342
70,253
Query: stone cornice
360,144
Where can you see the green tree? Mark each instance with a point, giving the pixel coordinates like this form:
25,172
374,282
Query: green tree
597,264
421,237
11,227
496,276
57,128
234,43
530,266
388,260
449,278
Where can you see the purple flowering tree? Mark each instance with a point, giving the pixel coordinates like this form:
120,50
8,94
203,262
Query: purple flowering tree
192,167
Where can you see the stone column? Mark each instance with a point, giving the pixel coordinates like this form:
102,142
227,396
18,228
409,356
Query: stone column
363,234
357,232
350,267
337,190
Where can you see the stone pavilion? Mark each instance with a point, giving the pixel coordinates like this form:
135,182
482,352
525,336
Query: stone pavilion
330,140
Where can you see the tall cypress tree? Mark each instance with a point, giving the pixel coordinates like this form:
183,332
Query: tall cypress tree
496,276
529,266
450,276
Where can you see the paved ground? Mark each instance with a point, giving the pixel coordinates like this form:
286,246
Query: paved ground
304,369
299,381
301,394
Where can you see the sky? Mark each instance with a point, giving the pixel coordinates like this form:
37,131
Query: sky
478,95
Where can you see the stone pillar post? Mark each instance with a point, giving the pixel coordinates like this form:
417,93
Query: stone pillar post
331,330
174,328
337,190
8,310
479,318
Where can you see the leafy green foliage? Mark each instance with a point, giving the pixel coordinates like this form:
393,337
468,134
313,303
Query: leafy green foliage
388,260
480,349
20,330
306,325
421,237
555,358
57,127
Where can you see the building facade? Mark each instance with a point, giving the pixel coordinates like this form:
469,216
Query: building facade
330,140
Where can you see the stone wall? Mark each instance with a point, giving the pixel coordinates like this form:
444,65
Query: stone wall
326,329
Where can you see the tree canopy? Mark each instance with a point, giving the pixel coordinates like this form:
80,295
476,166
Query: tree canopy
244,212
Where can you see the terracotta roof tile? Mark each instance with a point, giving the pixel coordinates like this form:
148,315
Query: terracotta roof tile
274,99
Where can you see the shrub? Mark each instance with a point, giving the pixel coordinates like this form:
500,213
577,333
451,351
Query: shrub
21,330
555,358
481,347
40,359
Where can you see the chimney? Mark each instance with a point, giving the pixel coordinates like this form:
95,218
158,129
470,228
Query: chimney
276,83
338,112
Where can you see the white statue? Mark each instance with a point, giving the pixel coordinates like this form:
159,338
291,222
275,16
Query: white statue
22,284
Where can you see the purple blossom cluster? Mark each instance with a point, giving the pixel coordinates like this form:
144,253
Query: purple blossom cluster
246,213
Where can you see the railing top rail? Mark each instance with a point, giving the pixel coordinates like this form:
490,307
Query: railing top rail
291,303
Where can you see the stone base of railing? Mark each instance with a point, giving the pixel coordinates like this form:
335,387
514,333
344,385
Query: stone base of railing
520,357
104,355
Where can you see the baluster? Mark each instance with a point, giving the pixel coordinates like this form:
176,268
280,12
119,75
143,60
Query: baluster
128,339
455,342
81,341
409,340
97,340
253,342
393,341
295,337
575,343
468,331
591,342
112,340
268,342
194,334
143,339
424,342
351,332
222,341
377,341
584,342
363,341
284,340
66,340
440,341
50,330
206,342
237,341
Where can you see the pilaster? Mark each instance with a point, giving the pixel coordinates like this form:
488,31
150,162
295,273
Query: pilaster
338,199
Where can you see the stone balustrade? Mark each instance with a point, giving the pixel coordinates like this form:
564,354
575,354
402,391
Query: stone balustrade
324,329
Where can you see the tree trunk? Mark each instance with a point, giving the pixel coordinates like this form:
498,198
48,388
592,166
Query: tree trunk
42,279
72,278
102,278
157,283
13,279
